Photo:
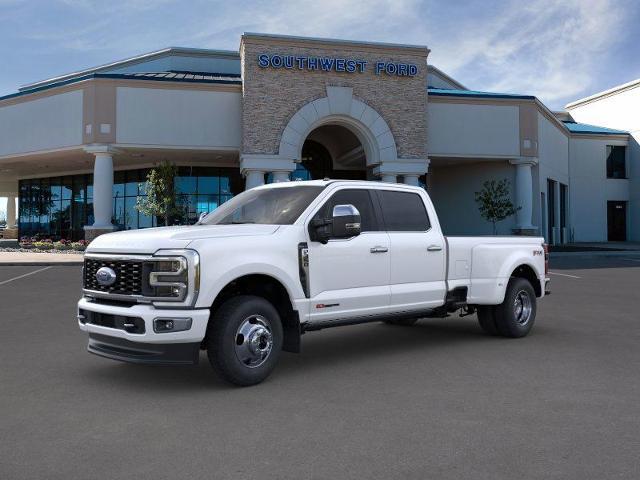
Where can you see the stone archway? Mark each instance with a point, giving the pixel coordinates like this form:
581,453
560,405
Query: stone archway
339,107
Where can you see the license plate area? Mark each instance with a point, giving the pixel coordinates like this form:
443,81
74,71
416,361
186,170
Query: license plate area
118,322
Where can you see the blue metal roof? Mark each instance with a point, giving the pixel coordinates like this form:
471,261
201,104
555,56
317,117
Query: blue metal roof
575,127
444,92
188,77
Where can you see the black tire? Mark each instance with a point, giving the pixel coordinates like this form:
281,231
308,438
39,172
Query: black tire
487,319
515,316
404,322
260,321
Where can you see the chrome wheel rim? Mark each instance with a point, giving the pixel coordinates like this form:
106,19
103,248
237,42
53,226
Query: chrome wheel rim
253,341
522,307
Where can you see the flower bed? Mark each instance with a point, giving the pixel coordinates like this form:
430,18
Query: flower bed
35,244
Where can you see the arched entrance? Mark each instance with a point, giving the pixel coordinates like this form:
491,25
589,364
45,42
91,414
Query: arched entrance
337,136
332,151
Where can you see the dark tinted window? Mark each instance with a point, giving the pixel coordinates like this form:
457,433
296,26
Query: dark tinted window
403,211
616,162
359,199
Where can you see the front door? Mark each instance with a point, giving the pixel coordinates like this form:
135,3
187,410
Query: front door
617,221
350,277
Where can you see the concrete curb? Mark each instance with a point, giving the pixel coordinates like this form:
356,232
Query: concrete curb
41,264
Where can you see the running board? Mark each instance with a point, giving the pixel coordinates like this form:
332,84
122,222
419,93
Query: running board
341,322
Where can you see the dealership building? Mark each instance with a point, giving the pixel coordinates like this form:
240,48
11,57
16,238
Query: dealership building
75,149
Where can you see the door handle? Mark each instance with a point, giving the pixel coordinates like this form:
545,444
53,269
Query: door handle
434,248
379,249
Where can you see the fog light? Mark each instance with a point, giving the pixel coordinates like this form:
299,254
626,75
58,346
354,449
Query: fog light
164,325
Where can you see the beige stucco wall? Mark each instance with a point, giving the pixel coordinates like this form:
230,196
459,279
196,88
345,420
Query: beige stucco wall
178,117
590,189
619,110
460,129
272,96
49,122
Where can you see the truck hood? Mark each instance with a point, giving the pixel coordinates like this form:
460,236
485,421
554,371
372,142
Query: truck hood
150,240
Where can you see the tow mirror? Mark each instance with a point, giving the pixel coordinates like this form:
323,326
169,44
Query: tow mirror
345,221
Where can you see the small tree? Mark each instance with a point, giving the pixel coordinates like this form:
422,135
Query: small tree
494,202
161,198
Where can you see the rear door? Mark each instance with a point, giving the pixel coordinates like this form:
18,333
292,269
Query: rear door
350,277
417,273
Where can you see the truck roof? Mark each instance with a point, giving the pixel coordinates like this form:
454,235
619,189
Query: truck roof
326,182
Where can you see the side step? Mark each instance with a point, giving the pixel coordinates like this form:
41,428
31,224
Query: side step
341,322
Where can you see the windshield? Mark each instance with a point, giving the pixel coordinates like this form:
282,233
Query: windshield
272,206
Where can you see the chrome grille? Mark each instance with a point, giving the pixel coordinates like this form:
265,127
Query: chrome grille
128,276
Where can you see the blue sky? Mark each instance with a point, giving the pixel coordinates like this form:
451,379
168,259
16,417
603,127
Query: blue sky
557,50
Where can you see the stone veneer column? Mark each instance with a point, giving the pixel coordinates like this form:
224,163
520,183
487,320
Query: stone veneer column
102,191
524,195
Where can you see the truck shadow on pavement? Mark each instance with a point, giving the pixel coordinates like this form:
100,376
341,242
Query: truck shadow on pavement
324,350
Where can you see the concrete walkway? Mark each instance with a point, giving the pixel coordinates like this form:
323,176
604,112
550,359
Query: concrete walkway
32,258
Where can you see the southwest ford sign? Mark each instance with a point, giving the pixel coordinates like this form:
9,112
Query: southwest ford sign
334,64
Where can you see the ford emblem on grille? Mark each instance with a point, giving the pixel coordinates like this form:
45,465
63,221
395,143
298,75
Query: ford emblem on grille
106,276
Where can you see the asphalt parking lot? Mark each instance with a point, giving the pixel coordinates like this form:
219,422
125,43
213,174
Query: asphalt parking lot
438,400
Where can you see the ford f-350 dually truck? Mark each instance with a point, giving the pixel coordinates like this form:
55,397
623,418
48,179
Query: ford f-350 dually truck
250,278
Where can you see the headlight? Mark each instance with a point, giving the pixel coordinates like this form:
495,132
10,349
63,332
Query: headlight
173,276
169,278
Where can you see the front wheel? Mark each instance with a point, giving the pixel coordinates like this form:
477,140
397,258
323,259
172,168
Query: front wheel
244,340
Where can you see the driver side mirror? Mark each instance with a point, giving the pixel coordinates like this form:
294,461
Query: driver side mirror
344,223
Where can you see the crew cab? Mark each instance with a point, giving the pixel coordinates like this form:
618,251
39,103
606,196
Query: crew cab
277,261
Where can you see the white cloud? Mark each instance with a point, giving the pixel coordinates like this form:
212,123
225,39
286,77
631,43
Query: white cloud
547,48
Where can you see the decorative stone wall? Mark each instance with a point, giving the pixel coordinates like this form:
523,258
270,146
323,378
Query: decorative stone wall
272,95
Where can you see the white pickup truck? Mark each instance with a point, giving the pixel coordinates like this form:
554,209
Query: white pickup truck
280,260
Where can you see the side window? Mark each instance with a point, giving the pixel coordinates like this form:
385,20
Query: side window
403,211
359,199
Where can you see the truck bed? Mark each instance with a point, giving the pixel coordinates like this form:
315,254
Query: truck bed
476,262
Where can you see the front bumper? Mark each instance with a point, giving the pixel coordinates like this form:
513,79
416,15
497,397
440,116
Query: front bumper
141,344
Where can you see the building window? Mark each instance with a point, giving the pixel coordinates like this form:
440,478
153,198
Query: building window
616,164
59,207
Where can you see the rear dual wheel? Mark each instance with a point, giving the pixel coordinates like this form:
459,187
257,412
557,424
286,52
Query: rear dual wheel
515,316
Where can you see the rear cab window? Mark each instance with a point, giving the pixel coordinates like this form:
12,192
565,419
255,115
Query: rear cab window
403,211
